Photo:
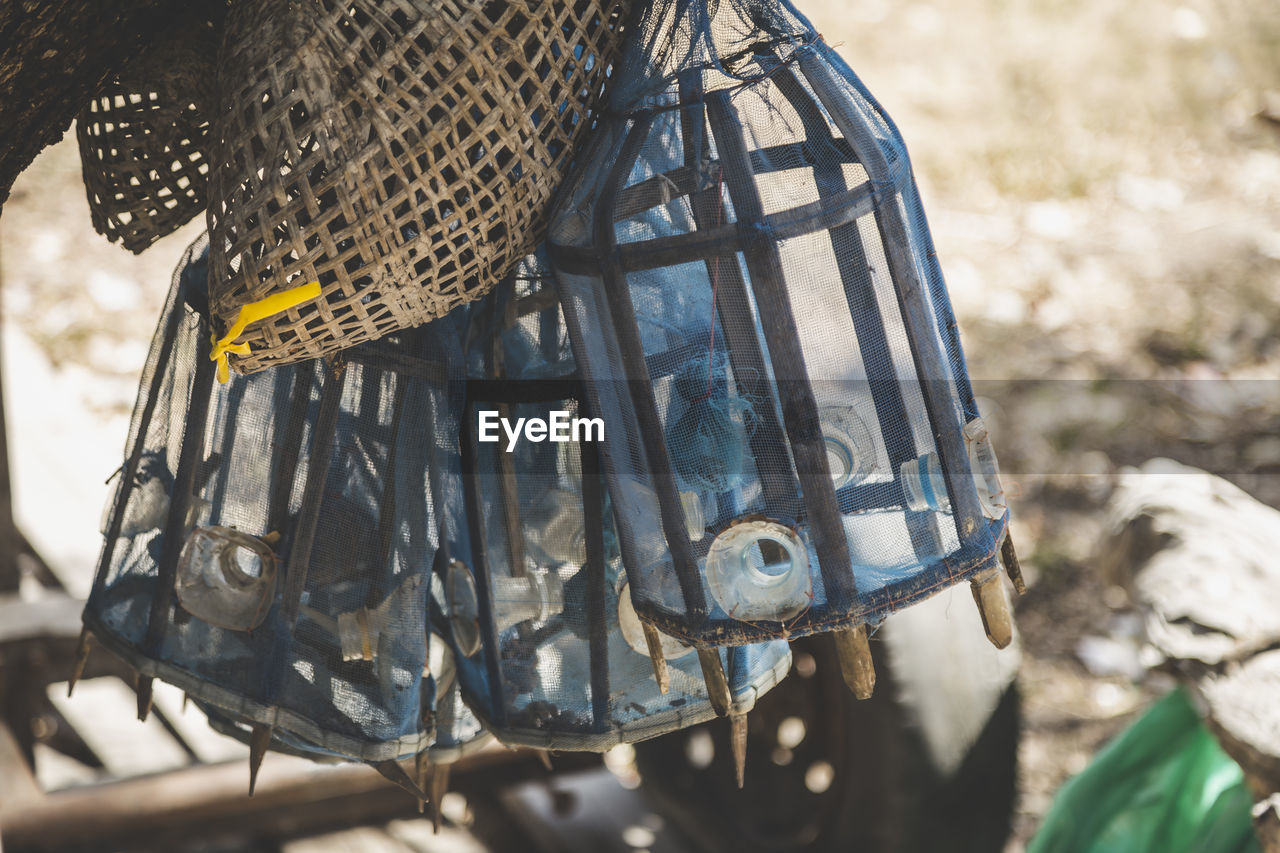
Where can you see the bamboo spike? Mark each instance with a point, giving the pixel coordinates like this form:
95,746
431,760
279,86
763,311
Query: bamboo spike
1012,567
993,605
717,685
856,665
439,787
654,642
394,773
144,698
545,757
259,739
422,766
82,657
738,742
186,700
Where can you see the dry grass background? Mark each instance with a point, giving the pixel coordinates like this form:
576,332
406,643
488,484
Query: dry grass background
1103,179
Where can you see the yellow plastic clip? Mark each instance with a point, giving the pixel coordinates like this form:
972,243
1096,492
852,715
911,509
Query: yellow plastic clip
253,312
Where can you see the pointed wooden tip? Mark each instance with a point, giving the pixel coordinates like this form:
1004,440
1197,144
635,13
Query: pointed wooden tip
422,769
259,740
439,787
856,665
717,685
545,758
144,698
186,700
654,641
1012,567
82,657
738,741
993,605
394,773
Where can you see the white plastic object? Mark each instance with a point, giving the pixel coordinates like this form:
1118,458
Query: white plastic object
751,586
695,520
986,469
633,630
226,578
361,632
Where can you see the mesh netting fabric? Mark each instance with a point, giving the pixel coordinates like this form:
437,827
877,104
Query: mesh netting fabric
269,544
143,138
550,652
402,153
791,441
457,731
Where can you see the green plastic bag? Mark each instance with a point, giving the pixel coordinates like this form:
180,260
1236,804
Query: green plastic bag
1163,786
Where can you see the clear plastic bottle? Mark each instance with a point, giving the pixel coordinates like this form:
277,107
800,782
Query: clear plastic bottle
554,526
759,570
851,452
537,595
226,578
925,488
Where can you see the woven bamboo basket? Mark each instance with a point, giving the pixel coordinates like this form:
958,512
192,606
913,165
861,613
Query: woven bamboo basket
142,140
402,153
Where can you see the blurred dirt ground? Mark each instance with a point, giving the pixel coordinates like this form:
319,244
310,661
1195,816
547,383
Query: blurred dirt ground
1103,180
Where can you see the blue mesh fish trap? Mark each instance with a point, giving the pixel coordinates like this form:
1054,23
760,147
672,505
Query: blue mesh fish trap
458,733
269,545
791,440
550,652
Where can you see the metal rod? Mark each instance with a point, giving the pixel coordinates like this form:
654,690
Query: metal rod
799,409
650,431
